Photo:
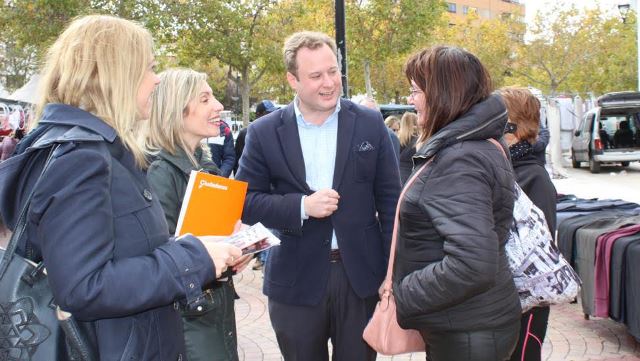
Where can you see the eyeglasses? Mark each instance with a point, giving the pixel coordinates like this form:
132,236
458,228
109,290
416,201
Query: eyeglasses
511,128
413,92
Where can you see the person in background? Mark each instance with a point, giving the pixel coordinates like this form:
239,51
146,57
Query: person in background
408,137
372,104
224,155
184,112
392,122
451,278
323,175
8,144
263,108
523,109
93,219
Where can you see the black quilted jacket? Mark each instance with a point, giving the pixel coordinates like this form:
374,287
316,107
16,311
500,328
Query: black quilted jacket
451,272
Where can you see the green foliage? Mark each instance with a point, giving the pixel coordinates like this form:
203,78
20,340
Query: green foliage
238,42
492,41
383,33
578,51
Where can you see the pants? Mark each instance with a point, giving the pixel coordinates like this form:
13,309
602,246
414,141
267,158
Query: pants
479,345
211,334
533,328
303,331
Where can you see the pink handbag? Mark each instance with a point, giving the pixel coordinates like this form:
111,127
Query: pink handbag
383,333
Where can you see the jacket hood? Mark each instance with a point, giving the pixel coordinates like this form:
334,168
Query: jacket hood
484,120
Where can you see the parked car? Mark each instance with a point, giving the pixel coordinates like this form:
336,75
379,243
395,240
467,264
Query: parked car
609,133
395,109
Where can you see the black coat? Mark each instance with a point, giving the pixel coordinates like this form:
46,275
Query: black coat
406,159
451,271
536,184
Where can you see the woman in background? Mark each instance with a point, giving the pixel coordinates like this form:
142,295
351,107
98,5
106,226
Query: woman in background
521,134
408,137
184,112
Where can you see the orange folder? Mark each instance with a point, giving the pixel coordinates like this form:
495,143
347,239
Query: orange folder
211,206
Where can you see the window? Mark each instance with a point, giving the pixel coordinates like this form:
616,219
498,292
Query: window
505,16
485,13
469,10
451,7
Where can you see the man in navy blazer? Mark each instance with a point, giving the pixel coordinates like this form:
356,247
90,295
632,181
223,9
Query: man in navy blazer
323,174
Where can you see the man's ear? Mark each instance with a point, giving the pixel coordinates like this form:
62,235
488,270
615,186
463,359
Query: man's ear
293,81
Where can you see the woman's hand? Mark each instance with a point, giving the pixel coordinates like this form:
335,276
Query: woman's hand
222,254
385,289
241,263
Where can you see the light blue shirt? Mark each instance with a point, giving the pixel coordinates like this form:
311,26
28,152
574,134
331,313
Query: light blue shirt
319,143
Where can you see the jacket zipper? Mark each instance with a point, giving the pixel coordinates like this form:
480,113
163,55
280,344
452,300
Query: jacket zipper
482,126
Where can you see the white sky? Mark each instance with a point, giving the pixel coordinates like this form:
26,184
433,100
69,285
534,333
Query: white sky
532,6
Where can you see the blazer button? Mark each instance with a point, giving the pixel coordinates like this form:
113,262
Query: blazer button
147,195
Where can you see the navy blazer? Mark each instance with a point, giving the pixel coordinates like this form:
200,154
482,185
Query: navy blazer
367,179
103,238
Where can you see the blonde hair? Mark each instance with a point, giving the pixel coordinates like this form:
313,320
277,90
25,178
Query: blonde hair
97,64
408,124
170,104
391,120
304,39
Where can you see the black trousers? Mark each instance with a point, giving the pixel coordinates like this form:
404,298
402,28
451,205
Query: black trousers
480,345
303,332
533,328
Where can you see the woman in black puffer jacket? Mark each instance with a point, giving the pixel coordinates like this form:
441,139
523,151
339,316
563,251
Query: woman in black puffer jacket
451,277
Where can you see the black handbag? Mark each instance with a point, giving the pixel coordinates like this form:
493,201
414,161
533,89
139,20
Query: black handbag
32,326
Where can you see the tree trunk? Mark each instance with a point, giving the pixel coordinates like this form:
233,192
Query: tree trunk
367,79
245,91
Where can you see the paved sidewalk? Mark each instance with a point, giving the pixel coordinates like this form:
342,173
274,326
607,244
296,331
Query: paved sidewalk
569,337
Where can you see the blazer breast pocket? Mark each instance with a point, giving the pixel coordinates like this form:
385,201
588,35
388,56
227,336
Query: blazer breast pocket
364,165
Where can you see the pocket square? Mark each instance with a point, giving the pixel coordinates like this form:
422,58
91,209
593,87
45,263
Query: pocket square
364,147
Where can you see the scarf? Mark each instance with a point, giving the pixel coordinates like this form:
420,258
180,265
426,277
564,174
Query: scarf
520,149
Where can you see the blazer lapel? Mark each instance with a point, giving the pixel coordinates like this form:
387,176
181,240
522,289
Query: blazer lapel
346,127
291,148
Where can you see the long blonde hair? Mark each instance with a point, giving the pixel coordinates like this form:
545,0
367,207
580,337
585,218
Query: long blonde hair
97,64
408,124
165,131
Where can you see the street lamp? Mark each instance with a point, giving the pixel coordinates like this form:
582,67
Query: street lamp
624,13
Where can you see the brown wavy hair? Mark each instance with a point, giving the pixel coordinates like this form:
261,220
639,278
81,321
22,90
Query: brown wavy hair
523,109
452,79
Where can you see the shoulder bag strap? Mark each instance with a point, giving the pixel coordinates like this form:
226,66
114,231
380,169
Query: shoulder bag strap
21,224
392,255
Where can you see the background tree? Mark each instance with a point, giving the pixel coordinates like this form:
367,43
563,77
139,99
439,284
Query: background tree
493,41
233,32
560,45
27,28
380,35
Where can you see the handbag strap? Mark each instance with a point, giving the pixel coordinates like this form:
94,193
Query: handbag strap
21,224
394,237
497,144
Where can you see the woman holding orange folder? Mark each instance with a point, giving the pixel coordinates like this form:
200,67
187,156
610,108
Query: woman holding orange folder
184,111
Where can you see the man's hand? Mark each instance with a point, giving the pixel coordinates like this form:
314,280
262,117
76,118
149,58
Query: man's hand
222,254
322,203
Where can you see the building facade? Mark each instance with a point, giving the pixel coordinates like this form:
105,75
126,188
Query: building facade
486,9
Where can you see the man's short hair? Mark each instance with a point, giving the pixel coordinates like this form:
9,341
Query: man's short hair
304,39
265,107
